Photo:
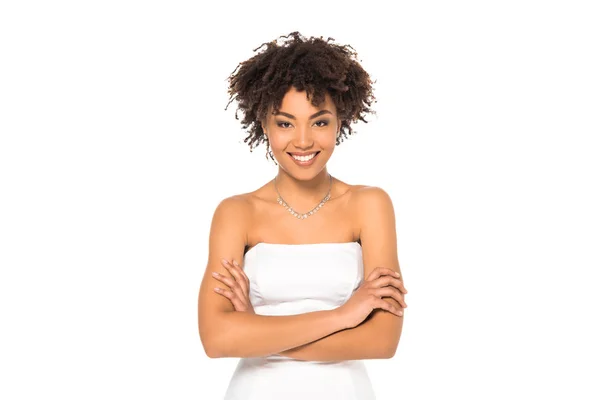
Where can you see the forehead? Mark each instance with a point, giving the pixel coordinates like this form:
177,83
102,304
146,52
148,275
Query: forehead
296,102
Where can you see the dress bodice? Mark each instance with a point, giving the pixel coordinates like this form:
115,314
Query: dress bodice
289,279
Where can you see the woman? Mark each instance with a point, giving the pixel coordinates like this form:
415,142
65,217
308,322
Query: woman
304,269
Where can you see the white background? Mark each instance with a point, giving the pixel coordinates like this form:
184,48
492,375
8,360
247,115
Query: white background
115,149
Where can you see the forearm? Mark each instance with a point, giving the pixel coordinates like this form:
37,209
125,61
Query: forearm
246,335
362,342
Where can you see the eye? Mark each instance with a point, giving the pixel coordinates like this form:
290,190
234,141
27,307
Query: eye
279,124
284,124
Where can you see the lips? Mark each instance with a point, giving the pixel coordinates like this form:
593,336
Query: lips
304,163
304,154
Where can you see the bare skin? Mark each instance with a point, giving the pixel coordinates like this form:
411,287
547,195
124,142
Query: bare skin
272,223
251,218
302,187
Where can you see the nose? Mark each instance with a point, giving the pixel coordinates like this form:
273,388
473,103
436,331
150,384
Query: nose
303,139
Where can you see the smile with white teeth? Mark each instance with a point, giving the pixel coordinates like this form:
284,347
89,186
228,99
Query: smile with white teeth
304,158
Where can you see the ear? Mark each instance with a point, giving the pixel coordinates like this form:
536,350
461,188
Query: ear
263,125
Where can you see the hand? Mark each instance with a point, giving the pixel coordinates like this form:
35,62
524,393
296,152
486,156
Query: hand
369,297
239,286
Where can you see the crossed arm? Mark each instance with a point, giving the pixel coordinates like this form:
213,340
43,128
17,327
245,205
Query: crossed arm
365,341
311,336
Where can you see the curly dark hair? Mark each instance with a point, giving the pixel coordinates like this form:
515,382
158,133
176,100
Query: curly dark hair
313,65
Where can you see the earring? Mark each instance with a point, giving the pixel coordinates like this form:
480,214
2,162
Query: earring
270,154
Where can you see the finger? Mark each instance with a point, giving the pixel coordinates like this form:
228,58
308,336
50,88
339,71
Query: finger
397,275
403,287
389,307
241,273
398,284
379,271
233,285
223,278
393,293
235,269
223,292
390,292
239,281
231,296
387,280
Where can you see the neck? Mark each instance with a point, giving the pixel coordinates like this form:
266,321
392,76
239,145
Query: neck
302,194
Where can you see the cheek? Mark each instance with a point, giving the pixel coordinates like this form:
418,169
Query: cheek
277,143
329,144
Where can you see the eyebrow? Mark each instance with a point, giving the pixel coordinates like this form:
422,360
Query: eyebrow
315,115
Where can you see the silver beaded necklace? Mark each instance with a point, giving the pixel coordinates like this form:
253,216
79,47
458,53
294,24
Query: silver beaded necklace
311,212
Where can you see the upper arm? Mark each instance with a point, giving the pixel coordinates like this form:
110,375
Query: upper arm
227,240
379,245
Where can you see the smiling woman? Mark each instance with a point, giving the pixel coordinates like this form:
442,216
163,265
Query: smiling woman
304,293
324,71
303,158
315,138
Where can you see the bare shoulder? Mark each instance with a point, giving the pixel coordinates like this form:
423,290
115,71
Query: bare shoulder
233,207
227,240
377,228
370,191
371,199
228,229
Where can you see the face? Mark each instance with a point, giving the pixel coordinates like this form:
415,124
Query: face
301,128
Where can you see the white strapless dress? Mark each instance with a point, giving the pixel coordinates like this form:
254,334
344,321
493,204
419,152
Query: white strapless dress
290,279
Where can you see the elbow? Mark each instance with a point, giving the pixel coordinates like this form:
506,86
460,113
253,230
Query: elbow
218,344
209,347
389,349
212,353
223,351
213,337
390,352
212,343
391,345
212,349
